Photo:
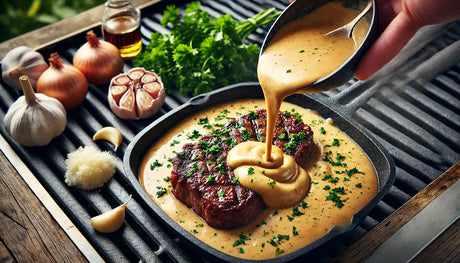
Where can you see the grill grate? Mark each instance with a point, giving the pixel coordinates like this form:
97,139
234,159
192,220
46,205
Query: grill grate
417,122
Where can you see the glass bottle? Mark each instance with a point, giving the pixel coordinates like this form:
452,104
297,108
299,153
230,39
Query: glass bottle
121,23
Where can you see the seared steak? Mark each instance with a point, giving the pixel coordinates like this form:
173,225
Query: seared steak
203,181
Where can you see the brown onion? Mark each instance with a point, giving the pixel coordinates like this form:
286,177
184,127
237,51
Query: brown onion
63,82
98,60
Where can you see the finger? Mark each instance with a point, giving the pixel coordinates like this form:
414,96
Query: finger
387,46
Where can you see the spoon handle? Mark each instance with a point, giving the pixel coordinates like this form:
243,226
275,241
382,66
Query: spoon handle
356,20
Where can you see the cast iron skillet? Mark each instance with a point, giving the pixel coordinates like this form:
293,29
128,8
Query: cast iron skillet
138,147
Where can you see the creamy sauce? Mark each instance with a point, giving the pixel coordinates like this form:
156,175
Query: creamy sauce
336,183
297,56
280,181
317,219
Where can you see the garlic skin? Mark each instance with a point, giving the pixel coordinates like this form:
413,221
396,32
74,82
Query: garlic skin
34,119
22,61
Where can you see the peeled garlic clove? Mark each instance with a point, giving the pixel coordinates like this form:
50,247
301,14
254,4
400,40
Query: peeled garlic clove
110,221
117,92
110,134
137,94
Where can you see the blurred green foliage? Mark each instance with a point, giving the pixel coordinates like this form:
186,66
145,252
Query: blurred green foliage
21,16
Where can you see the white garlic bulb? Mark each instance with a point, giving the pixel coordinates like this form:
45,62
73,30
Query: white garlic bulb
34,119
22,61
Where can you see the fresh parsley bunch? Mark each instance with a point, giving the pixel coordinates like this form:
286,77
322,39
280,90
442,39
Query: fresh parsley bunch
203,53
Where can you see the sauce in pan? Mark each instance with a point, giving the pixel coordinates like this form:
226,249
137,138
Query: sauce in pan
343,181
335,184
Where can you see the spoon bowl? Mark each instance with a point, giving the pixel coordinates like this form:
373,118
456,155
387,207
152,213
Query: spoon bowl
346,31
345,71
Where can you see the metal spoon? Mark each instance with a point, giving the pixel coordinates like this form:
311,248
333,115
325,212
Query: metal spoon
346,30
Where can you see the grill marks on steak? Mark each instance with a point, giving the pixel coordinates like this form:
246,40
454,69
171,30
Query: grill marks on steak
202,179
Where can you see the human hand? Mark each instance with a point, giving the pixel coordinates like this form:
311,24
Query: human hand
399,20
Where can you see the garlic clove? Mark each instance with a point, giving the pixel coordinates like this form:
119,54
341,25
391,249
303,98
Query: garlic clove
110,221
110,134
117,92
126,107
146,104
153,89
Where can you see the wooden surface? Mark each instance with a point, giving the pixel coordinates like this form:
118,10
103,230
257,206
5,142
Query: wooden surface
29,233
445,248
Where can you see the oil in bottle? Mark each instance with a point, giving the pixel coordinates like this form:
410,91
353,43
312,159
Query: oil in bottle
121,27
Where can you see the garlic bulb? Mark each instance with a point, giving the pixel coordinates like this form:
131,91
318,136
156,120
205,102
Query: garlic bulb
34,119
137,94
22,61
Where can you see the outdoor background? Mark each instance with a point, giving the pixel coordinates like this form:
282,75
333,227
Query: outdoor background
21,16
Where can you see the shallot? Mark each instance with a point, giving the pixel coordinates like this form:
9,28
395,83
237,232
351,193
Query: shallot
63,82
98,60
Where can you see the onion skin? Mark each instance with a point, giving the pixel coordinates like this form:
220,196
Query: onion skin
98,60
63,82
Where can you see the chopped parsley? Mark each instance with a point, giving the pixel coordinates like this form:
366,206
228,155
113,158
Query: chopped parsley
336,142
246,135
242,239
235,179
205,123
161,191
334,196
337,162
252,115
296,211
295,140
174,142
294,231
211,179
194,135
155,164
330,179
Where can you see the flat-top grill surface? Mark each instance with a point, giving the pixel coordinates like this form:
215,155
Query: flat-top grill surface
412,108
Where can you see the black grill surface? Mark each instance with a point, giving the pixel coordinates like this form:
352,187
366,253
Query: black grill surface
412,107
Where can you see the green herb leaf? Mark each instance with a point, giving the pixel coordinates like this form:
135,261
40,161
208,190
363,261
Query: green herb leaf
202,53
